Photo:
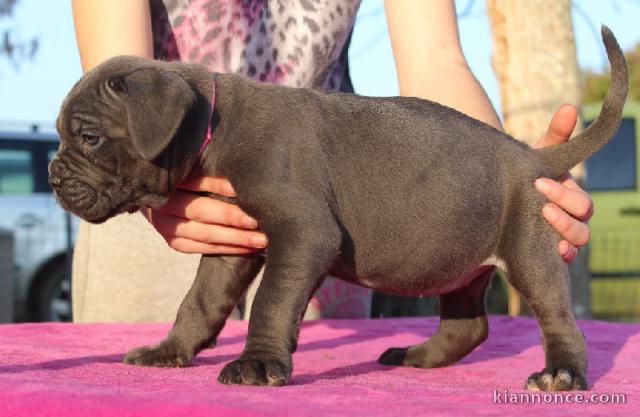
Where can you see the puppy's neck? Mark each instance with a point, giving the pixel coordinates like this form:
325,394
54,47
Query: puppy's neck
185,152
232,100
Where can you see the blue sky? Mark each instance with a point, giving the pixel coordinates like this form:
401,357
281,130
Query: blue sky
33,93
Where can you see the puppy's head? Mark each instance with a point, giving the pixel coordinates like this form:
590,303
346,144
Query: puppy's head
129,131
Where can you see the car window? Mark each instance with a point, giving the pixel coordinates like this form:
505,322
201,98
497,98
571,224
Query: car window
614,166
15,172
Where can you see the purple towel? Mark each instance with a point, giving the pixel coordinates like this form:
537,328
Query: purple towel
76,370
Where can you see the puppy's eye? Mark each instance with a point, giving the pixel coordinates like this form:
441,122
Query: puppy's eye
117,84
91,140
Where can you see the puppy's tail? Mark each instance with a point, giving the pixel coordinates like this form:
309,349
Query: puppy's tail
560,158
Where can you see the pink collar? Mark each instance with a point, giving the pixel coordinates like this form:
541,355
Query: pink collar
209,136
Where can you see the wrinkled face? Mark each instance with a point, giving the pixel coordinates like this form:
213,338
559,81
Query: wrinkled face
114,127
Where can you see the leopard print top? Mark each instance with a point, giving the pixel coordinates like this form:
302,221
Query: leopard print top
299,43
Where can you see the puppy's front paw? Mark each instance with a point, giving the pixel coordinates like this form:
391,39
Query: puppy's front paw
256,371
393,356
556,379
166,355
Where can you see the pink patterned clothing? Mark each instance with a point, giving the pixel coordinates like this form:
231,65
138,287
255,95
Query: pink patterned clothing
299,43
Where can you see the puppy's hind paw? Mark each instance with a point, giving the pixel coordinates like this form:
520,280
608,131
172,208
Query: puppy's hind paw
164,355
556,379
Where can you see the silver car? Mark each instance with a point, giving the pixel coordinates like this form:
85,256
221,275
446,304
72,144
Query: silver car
42,231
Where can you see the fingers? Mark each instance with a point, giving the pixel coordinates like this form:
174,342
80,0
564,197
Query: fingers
211,233
192,237
567,251
572,230
188,246
216,185
191,223
568,196
568,211
561,126
207,210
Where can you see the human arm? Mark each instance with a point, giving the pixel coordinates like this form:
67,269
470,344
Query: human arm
107,28
429,58
431,65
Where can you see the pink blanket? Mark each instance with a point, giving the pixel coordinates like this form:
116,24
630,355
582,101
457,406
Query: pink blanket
76,370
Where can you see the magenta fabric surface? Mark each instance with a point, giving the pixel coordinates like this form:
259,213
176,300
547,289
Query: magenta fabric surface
76,370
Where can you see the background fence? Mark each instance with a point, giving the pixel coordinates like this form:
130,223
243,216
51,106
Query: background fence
615,274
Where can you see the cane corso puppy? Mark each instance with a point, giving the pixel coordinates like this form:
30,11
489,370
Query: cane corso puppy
397,194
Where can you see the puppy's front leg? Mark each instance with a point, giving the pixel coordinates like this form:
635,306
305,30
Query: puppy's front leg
300,253
219,284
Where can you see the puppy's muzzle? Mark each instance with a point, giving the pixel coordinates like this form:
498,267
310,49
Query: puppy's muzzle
54,175
79,194
76,195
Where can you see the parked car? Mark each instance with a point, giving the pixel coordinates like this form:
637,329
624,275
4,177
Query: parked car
42,230
613,181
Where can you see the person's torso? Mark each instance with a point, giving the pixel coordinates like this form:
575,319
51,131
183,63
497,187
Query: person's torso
299,43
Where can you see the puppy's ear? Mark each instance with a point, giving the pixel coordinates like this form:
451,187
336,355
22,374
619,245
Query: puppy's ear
157,102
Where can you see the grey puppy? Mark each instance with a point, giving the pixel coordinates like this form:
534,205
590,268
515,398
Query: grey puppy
398,194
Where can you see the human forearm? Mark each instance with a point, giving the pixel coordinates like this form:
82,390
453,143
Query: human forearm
107,28
456,87
429,59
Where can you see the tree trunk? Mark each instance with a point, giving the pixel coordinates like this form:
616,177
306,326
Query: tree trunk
536,66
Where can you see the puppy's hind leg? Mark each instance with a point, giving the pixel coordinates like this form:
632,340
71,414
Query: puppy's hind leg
463,326
538,272
219,284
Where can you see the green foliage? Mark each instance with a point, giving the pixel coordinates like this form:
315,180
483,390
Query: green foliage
596,84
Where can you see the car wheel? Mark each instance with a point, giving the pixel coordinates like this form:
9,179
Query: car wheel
52,300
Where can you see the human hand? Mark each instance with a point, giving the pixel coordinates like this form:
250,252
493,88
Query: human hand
569,207
191,223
